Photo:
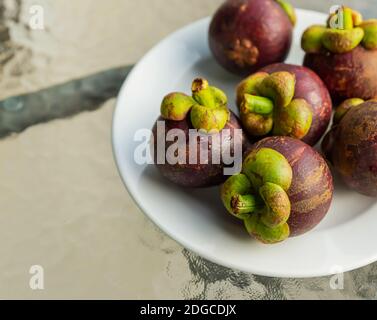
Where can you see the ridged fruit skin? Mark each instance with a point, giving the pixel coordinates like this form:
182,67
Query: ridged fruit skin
312,187
311,88
351,147
246,35
348,75
195,175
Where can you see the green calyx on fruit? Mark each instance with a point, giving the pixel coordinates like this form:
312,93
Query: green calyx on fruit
311,41
345,31
345,18
268,165
344,107
342,41
237,196
256,228
207,107
280,87
250,85
278,205
258,195
295,120
370,31
289,10
176,106
257,104
206,95
267,105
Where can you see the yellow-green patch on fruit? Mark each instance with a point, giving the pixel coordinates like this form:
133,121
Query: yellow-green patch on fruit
370,38
266,235
268,165
344,107
250,86
294,121
280,87
311,41
278,205
342,41
175,106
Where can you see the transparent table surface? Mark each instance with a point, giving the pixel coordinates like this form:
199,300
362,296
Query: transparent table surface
62,204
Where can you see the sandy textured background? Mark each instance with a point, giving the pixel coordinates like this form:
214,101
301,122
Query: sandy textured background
62,204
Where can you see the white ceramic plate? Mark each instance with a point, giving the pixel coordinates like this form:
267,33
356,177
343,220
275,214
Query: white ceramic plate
345,240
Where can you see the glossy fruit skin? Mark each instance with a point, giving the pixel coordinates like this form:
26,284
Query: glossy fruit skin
311,88
312,187
198,175
351,146
246,35
348,75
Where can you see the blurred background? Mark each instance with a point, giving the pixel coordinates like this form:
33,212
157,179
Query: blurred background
62,204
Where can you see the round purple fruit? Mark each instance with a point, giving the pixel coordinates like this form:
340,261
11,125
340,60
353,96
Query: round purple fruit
344,54
285,189
351,145
197,137
284,100
246,35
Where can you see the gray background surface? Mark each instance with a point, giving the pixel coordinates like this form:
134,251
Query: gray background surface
62,203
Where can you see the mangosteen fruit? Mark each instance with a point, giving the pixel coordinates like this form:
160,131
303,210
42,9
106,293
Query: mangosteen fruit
284,190
344,54
284,100
246,35
197,137
351,145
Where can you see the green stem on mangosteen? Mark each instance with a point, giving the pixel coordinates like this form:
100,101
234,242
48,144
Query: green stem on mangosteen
202,93
250,86
273,108
211,112
341,37
242,204
268,174
207,107
205,95
347,18
258,104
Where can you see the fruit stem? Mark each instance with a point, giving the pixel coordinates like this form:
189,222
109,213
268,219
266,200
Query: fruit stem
202,94
347,18
242,204
257,104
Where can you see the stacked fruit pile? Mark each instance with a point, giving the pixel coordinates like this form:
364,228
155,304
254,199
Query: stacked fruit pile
284,187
